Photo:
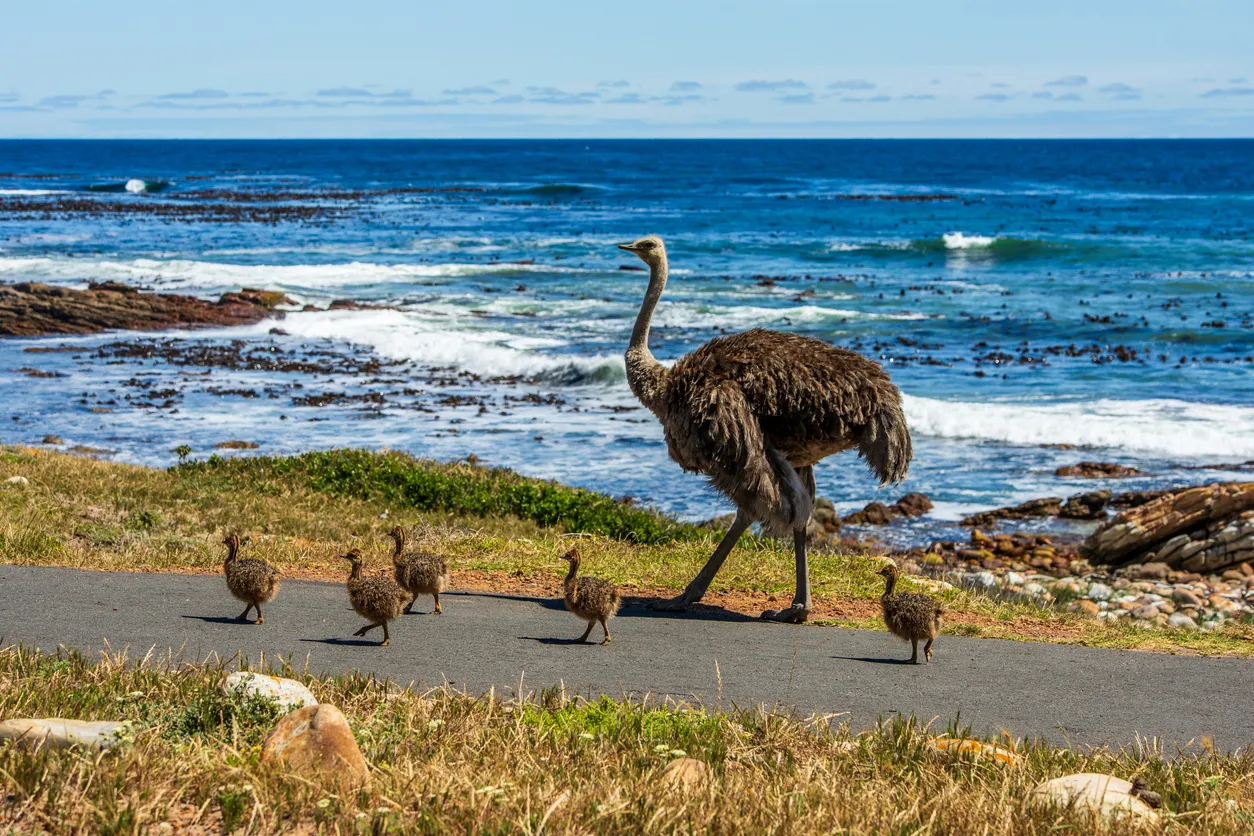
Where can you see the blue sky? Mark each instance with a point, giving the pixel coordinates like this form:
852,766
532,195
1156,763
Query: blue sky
494,68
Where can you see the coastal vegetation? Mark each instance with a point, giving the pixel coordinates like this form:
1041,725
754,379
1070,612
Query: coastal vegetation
190,761
500,532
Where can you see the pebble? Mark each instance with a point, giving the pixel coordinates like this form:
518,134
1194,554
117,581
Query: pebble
20,481
1099,592
1145,612
1180,621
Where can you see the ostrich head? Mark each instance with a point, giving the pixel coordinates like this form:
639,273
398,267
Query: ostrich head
353,556
233,542
889,570
572,557
648,249
397,533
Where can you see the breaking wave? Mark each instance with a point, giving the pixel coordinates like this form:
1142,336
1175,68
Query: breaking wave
1169,428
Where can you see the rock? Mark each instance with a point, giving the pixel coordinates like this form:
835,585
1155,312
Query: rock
30,309
913,505
1203,529
1145,612
1046,507
1133,499
1087,607
1015,579
1104,795
1097,470
58,733
875,513
974,749
684,772
19,481
53,439
316,738
980,580
1180,621
237,445
1099,592
1152,571
1086,506
980,540
287,693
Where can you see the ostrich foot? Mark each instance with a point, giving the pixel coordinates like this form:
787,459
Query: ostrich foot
793,615
680,603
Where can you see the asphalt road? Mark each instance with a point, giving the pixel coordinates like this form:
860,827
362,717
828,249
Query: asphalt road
1071,695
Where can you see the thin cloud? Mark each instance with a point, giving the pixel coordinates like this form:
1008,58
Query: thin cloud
9,97
513,98
852,84
1068,81
476,90
1238,80
685,86
1069,97
797,98
999,84
1120,92
675,101
626,98
622,82
362,93
202,93
760,86
1224,92
918,97
867,99
554,96
63,102
993,97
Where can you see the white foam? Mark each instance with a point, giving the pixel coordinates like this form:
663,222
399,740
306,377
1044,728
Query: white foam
135,185
961,241
1166,427
185,273
424,339
31,192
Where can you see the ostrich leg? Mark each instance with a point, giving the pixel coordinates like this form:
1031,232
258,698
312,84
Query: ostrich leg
802,502
697,587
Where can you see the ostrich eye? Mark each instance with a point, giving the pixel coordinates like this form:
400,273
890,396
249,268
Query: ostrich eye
647,245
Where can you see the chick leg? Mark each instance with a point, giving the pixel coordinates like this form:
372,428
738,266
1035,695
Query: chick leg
260,618
366,629
410,606
927,650
604,626
586,633
436,595
244,615
914,655
387,639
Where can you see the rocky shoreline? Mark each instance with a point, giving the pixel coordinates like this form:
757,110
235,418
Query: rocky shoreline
34,309
1179,558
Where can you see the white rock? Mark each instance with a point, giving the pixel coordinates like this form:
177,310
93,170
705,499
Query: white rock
1099,592
1181,621
20,481
980,580
1034,589
1015,579
62,734
1103,794
288,693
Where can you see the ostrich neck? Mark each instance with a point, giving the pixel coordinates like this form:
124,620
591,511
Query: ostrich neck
355,574
645,374
232,552
889,582
400,546
570,576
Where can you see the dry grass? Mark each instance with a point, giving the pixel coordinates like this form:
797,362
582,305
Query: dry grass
91,514
444,762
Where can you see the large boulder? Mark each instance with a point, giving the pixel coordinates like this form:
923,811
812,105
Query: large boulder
287,693
317,739
1202,529
1104,795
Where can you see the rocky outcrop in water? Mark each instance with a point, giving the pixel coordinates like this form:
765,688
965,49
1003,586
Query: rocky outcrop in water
1203,529
877,513
1098,470
33,309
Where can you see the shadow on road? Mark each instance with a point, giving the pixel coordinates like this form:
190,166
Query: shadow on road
885,660
218,619
556,640
344,642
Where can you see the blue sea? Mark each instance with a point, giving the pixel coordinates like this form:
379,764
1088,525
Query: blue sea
1039,303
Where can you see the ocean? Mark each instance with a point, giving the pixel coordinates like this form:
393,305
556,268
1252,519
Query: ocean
1039,303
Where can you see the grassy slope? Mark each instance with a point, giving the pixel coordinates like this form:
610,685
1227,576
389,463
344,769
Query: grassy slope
303,511
444,762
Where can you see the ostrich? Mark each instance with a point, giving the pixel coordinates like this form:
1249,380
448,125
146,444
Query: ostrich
754,412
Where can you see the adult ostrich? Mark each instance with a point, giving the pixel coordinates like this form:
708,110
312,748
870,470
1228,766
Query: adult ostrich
754,412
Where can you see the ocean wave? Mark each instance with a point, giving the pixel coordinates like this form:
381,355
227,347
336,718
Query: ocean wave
184,273
30,192
560,190
135,185
418,338
1170,428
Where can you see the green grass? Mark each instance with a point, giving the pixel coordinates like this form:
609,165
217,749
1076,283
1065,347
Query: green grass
447,762
461,488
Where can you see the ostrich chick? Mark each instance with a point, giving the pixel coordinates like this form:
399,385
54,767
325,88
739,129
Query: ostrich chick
418,573
910,616
378,600
253,581
592,599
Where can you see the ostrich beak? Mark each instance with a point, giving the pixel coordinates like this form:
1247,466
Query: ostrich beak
631,248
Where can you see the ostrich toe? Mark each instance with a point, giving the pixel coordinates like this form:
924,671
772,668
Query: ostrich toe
793,615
